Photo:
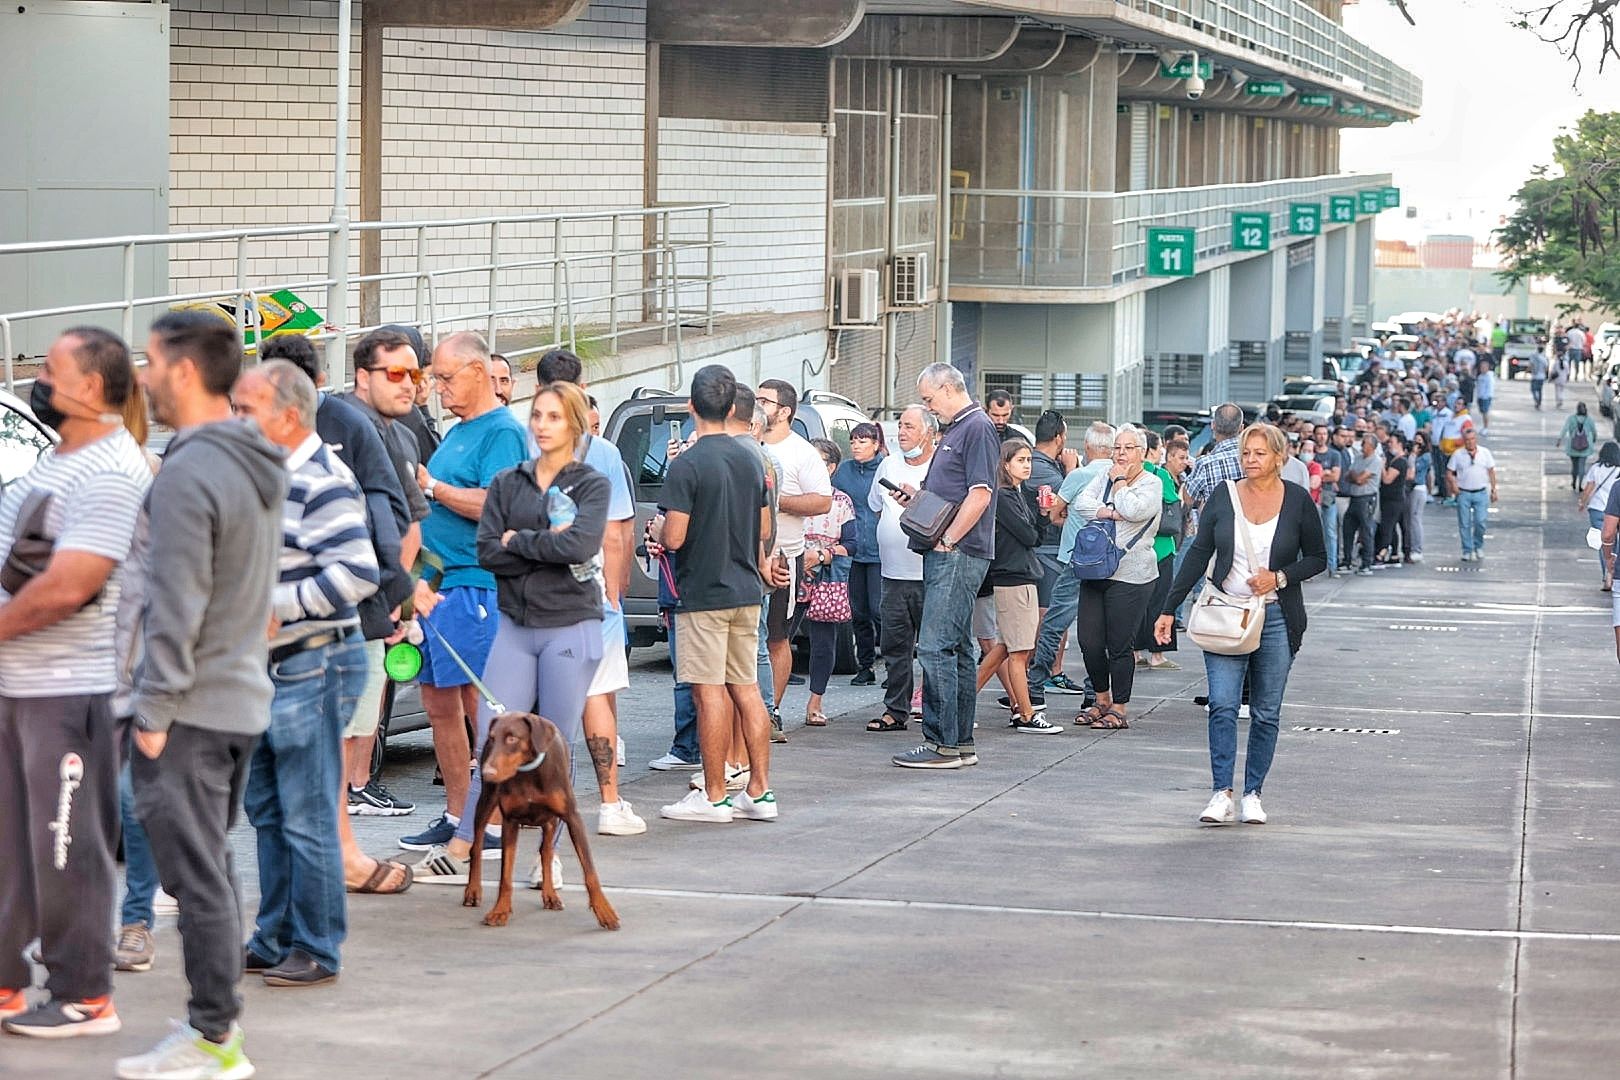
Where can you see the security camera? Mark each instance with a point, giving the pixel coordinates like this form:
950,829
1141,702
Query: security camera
1195,87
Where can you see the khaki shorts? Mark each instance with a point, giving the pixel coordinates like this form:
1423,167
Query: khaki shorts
368,710
715,648
1018,616
984,619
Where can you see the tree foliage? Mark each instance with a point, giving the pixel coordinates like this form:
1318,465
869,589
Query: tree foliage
1567,221
1577,28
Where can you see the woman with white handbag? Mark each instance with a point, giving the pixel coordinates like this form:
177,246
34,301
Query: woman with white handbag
1259,538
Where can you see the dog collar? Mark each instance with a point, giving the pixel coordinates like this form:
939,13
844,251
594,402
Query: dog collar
533,765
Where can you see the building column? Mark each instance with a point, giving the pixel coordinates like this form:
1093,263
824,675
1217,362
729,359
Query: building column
1303,287
1256,313
1339,278
1361,259
1185,342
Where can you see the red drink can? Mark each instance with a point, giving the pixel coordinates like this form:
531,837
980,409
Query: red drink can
1044,496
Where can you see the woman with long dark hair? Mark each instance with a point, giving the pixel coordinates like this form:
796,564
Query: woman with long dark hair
1258,536
826,563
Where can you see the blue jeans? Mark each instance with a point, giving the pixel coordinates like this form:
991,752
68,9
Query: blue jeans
291,800
762,659
945,647
685,745
140,872
1472,507
1330,531
1267,671
1060,615
1595,517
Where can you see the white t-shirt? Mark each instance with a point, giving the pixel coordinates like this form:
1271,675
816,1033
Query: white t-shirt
1604,476
1576,339
1296,471
1260,538
96,497
1472,474
803,473
895,558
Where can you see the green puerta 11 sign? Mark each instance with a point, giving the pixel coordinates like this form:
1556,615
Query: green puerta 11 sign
1251,232
1170,252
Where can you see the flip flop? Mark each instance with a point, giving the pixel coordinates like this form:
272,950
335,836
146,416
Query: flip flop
816,719
374,884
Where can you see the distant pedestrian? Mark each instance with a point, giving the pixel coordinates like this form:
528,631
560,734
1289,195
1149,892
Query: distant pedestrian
715,515
1392,496
418,420
900,618
1366,470
827,584
1484,392
500,378
203,690
1600,483
963,474
1334,467
59,748
854,478
1560,379
1111,609
1279,547
1167,537
1578,439
1538,376
1471,480
1418,493
318,669
1050,463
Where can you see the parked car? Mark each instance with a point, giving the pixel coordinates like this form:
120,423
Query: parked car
1314,407
1299,384
1406,351
22,438
1603,346
642,427
1522,345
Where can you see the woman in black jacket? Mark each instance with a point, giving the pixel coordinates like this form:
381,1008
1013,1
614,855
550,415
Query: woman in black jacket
1013,575
1285,535
548,578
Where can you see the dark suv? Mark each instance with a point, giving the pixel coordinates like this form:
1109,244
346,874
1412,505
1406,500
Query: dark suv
641,428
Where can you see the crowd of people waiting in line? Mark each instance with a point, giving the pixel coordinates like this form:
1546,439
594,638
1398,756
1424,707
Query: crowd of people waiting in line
222,616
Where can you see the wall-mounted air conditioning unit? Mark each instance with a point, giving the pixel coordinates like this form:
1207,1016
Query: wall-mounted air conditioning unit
858,302
908,281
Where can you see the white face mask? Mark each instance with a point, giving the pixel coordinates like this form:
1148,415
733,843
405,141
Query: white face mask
1308,456
914,453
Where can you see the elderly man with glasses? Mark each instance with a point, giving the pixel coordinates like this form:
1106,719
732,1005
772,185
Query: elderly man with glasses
487,440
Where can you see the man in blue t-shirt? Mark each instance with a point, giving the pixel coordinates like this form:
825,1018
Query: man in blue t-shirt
963,472
485,441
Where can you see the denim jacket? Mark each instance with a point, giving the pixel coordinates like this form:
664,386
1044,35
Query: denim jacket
854,478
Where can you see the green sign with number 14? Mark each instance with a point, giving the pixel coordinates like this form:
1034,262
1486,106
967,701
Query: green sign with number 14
1170,252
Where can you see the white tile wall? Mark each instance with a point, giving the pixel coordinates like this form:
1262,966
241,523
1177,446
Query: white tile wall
475,123
775,230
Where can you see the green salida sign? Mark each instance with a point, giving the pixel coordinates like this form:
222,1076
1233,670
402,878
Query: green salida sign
1183,69
1170,252
1251,232
1316,101
1265,88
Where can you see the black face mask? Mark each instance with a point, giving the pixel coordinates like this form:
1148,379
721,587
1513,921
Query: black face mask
39,400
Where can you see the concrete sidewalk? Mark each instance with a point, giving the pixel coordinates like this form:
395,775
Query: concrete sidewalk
1439,899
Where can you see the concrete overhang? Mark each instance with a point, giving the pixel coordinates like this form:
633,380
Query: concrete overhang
810,24
1127,26
475,14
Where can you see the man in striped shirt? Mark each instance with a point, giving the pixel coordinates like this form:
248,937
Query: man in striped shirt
317,666
58,668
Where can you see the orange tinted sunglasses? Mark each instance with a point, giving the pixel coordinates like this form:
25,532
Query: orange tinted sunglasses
399,374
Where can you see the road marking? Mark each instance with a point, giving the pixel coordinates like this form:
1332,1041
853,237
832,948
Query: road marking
1348,730
1486,933
1422,626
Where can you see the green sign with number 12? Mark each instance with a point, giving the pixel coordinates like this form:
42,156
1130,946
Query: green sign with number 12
1170,252
1251,232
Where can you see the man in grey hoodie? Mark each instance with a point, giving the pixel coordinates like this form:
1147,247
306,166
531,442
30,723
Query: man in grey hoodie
203,689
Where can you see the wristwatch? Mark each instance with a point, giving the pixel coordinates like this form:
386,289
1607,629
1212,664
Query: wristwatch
1282,581
947,543
431,485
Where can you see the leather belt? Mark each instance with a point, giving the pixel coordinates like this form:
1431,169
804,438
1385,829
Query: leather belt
314,641
1470,491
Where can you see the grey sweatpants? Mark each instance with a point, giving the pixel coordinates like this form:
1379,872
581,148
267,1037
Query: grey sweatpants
58,828
543,671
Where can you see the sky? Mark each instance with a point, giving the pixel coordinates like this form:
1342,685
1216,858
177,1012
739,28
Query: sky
1493,98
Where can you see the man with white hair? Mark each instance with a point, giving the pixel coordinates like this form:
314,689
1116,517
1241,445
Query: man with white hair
964,472
317,667
901,608
1065,605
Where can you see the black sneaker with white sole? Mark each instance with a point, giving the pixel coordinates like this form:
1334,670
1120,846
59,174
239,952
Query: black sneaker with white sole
374,800
1036,700
1036,725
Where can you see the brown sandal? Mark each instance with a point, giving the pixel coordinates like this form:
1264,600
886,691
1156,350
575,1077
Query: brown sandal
815,719
375,883
1089,715
1111,720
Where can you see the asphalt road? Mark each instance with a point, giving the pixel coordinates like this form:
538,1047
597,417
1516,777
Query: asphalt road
1437,894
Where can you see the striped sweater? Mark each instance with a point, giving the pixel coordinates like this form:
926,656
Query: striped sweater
327,563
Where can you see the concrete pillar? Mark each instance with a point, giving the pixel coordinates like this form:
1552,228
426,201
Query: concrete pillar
1304,285
1185,319
1361,274
1256,322
1339,247
1141,122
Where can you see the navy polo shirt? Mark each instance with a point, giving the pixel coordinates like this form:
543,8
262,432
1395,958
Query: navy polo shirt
968,456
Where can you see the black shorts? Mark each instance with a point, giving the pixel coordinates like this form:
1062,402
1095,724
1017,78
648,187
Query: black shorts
779,626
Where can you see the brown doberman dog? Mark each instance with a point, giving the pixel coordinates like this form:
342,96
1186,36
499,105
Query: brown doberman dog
525,773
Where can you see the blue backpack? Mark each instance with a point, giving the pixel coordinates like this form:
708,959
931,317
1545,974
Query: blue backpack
1096,551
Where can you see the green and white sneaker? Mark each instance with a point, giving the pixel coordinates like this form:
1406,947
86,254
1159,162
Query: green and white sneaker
697,807
760,809
186,1055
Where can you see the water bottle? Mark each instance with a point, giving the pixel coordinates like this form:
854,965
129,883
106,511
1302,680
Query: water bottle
561,509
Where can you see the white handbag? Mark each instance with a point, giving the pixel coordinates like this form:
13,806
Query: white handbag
1220,622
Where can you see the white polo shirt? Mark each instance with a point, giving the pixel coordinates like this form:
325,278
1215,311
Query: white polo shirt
1472,471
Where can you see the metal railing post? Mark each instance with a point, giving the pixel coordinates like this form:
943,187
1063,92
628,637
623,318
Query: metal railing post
421,269
613,287
128,323
708,286
5,345
494,278
666,268
337,252
556,281
244,313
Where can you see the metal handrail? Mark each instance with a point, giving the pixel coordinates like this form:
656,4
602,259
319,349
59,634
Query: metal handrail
670,258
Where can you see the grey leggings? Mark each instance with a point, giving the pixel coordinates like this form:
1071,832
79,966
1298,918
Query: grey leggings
545,670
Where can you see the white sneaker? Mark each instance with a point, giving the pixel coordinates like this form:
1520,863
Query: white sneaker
697,807
1251,812
164,904
1220,810
1417,556
618,754
439,867
736,778
556,873
186,1055
760,809
670,762
618,819
1243,712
